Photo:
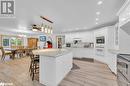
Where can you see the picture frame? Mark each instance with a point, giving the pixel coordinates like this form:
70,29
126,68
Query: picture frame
42,38
6,42
77,40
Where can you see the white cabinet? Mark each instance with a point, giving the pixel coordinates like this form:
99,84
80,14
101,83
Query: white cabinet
83,52
124,27
124,13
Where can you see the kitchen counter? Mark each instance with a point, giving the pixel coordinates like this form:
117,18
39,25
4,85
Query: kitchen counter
112,55
51,52
54,65
117,51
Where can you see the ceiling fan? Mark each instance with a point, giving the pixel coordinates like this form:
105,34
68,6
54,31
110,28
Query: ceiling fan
34,27
46,19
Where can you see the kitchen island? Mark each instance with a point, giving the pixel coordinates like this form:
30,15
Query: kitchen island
55,64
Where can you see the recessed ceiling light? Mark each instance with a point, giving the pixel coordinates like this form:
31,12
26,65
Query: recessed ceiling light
100,2
97,19
98,13
96,23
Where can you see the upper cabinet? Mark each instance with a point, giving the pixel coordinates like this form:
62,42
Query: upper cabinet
124,17
124,14
124,28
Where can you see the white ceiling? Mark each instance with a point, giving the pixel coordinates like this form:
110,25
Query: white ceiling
67,15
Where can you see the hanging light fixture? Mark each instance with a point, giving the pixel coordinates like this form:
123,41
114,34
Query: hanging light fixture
43,28
51,31
47,28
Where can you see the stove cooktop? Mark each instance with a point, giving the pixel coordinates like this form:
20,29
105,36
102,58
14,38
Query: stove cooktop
125,56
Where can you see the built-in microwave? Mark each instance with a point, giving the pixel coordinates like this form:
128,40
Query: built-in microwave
100,40
68,44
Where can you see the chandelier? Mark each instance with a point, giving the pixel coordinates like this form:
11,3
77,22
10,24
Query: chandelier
43,27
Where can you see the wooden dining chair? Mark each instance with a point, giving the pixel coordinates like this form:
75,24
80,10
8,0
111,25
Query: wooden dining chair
5,53
34,65
27,51
19,52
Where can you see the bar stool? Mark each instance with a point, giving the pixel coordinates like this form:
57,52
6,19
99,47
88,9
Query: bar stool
34,65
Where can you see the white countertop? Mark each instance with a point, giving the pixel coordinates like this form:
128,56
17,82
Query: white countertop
51,52
117,51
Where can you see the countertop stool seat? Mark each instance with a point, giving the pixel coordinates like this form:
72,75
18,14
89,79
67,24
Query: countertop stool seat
34,66
19,53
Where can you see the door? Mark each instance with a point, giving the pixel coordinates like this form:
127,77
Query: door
59,41
32,42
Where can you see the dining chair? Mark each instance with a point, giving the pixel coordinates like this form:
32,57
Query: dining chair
5,53
27,51
0,54
19,53
34,65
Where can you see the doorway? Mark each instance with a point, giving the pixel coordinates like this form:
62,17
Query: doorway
32,42
60,41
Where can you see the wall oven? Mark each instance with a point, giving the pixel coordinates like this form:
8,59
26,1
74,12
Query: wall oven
100,40
100,50
123,69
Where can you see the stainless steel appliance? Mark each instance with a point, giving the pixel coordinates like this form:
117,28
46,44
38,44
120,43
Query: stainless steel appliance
100,50
100,40
123,69
68,44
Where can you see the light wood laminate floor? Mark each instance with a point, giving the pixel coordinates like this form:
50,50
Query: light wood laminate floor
83,74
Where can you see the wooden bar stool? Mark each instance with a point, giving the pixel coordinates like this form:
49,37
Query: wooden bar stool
34,65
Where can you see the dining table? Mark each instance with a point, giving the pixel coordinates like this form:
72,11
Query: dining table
14,51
